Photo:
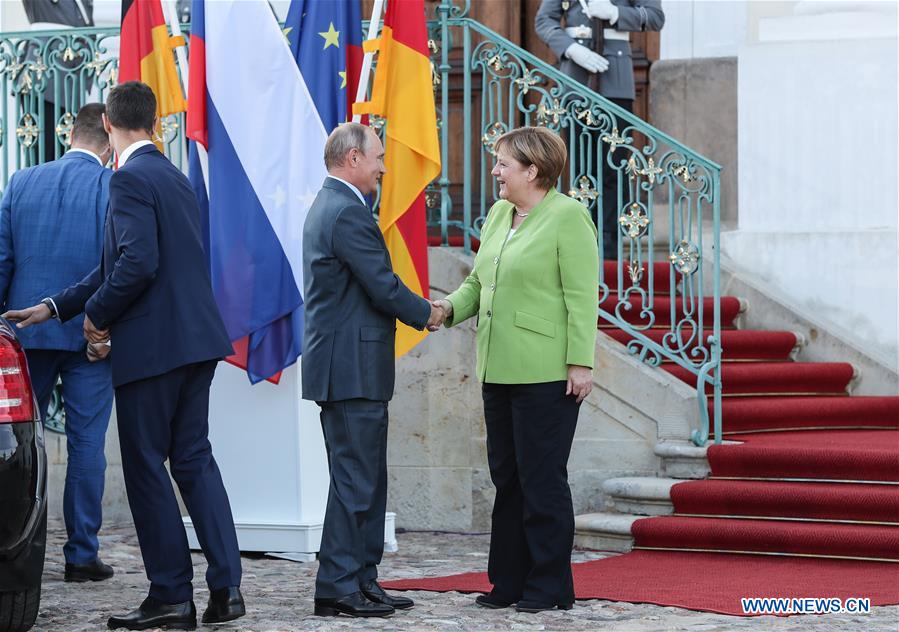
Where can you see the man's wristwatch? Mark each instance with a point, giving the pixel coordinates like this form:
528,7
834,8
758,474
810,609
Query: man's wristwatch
49,303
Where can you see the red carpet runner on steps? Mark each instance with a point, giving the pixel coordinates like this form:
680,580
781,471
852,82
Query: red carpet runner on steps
806,505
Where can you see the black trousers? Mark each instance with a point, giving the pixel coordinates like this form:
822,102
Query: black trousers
161,418
610,208
353,532
530,428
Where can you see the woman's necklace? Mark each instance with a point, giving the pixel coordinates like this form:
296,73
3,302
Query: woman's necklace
520,214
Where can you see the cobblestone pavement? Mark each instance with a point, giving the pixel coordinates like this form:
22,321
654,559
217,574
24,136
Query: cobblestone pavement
279,596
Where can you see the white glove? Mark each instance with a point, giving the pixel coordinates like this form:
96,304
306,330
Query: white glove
586,58
602,10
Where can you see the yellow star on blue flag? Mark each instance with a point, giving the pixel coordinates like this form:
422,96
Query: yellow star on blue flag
332,36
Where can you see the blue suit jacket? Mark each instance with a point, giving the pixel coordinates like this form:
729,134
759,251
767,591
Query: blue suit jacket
51,236
152,287
352,298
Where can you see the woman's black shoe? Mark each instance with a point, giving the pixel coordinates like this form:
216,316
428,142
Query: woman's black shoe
534,606
492,601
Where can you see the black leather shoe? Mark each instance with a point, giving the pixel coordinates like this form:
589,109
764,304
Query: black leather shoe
225,604
492,601
155,614
536,606
373,591
96,571
355,605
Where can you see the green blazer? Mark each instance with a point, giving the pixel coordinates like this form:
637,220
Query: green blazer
535,294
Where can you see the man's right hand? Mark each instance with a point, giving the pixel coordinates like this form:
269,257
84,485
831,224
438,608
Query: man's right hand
586,58
34,315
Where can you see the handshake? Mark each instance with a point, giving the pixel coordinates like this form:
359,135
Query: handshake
440,311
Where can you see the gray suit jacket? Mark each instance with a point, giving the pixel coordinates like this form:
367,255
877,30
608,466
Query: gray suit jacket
352,298
633,15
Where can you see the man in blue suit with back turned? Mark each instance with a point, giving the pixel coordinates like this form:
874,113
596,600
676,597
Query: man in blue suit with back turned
51,235
151,300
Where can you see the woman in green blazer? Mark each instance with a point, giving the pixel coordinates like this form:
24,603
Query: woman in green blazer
534,289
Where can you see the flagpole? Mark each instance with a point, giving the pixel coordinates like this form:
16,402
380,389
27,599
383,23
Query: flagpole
366,61
171,16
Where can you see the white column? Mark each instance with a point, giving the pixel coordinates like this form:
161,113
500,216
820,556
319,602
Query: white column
817,167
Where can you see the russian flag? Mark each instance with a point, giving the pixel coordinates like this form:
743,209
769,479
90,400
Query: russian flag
256,164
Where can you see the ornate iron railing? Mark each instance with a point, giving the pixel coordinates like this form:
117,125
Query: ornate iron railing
668,195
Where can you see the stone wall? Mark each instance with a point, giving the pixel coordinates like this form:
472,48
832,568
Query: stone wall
695,102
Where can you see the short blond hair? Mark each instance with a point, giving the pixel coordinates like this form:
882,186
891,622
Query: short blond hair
536,146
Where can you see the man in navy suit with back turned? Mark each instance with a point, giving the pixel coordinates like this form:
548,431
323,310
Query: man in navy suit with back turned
151,300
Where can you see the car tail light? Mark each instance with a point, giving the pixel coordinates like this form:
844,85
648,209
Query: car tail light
16,402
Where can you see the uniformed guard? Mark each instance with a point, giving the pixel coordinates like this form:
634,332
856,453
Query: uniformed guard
594,43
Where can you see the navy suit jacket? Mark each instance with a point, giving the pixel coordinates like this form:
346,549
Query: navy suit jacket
51,236
152,287
351,298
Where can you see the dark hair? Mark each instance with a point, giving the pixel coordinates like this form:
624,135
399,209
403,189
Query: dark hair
88,126
131,106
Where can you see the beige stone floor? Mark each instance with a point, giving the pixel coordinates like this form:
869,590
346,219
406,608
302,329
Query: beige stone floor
279,596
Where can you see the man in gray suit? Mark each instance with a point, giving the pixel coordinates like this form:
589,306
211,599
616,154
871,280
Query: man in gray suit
352,300
587,24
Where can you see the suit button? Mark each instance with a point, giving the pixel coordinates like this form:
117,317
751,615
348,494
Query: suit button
493,287
619,53
495,260
489,313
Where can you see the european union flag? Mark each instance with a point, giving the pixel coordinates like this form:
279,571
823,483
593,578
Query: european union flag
325,37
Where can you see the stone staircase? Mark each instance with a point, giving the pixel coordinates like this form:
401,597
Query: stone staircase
631,498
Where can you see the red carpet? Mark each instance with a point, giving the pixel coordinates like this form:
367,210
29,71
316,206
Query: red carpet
821,501
806,505
751,414
730,309
736,344
763,378
704,581
838,455
768,536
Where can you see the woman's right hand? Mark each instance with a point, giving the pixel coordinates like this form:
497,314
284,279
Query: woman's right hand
445,305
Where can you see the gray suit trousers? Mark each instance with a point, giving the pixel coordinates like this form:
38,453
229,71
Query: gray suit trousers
353,535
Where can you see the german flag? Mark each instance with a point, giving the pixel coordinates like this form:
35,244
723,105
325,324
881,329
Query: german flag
146,54
404,95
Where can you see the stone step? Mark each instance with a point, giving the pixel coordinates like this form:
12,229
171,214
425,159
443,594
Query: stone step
683,460
644,496
604,531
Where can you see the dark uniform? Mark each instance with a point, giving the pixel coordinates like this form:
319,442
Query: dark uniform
616,84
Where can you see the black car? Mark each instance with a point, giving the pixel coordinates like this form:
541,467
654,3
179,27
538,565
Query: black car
23,487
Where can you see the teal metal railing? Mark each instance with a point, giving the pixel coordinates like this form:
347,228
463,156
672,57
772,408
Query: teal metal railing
668,195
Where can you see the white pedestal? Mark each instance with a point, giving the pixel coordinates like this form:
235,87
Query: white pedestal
269,447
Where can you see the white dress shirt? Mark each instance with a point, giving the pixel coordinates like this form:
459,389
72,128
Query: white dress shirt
131,149
85,151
